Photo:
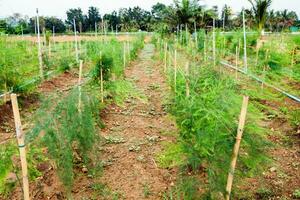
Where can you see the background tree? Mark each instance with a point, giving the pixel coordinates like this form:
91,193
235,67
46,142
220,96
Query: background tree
93,18
75,13
226,16
260,8
113,20
57,23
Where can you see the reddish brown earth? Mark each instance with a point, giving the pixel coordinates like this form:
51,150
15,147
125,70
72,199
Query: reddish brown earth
28,103
140,124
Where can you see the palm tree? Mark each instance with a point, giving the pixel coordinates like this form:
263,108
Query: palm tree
187,11
260,8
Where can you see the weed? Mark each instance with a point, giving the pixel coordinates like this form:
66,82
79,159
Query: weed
146,190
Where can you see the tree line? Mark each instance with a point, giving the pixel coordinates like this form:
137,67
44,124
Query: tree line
165,18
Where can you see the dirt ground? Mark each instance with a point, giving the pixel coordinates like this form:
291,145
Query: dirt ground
70,38
140,124
29,103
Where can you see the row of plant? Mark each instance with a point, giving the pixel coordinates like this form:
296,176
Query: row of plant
66,132
280,70
19,63
207,119
273,58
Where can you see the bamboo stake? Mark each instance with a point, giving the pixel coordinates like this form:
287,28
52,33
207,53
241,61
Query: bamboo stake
21,144
187,79
257,54
102,91
245,43
49,49
96,30
240,130
186,35
196,35
236,62
264,69
128,50
44,36
214,42
293,54
166,47
124,55
5,90
101,80
181,35
76,45
53,37
79,84
264,74
204,47
175,69
39,45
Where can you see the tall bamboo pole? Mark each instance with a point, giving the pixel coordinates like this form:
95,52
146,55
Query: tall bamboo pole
214,42
196,35
79,84
39,46
165,57
175,70
245,43
204,47
124,55
240,130
76,42
236,62
96,29
187,79
101,80
21,144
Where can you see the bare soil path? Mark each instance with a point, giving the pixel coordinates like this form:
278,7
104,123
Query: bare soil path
136,132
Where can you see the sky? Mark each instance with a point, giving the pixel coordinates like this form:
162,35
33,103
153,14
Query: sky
58,7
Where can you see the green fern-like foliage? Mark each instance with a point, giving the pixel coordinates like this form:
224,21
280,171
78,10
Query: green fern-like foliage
207,122
67,130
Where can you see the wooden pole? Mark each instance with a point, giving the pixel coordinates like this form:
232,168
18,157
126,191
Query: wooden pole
293,54
166,49
257,54
186,35
264,69
124,55
101,80
76,42
187,79
181,37
21,144
175,70
102,90
53,37
214,42
240,130
96,29
22,32
128,50
204,47
236,62
49,49
264,77
196,35
79,84
39,45
245,43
